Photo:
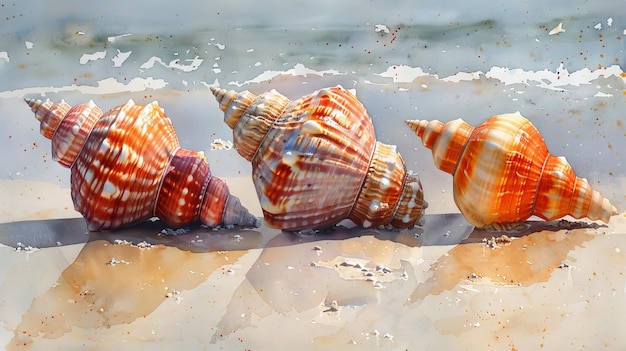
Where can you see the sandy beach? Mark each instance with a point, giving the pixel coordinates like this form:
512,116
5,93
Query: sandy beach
443,285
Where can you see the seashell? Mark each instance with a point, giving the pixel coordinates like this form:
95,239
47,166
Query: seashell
127,166
315,161
503,173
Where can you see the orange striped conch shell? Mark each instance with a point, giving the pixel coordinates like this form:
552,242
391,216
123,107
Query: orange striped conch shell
315,161
503,173
127,167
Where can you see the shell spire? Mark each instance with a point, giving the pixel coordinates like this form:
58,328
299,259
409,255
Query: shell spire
127,166
315,161
503,173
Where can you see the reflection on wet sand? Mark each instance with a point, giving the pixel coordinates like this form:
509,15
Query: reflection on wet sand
318,277
348,282
114,283
521,260
368,288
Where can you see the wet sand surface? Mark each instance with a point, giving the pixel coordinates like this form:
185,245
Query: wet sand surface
556,284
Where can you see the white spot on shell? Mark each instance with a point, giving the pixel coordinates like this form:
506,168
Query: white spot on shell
62,147
181,202
367,224
75,129
105,146
109,189
384,183
290,159
374,205
411,203
391,163
406,218
124,154
312,127
89,176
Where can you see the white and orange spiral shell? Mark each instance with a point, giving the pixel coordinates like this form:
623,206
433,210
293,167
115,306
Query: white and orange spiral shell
503,173
127,166
315,161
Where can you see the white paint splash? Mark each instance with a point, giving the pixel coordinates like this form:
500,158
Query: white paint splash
603,95
112,39
553,80
98,55
193,65
105,86
119,59
381,28
463,77
298,70
558,29
217,45
216,68
403,74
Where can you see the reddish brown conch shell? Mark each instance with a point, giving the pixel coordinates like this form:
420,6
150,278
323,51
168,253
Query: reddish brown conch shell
503,173
316,161
127,166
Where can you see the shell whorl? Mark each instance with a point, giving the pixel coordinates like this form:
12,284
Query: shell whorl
389,195
315,160
127,166
503,172
250,116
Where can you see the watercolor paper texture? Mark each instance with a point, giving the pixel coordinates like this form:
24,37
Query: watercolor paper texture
440,286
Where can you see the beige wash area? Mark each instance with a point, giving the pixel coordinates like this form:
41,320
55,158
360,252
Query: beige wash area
443,285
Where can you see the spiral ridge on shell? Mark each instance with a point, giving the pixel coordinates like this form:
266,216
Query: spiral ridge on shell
127,166
316,161
503,172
